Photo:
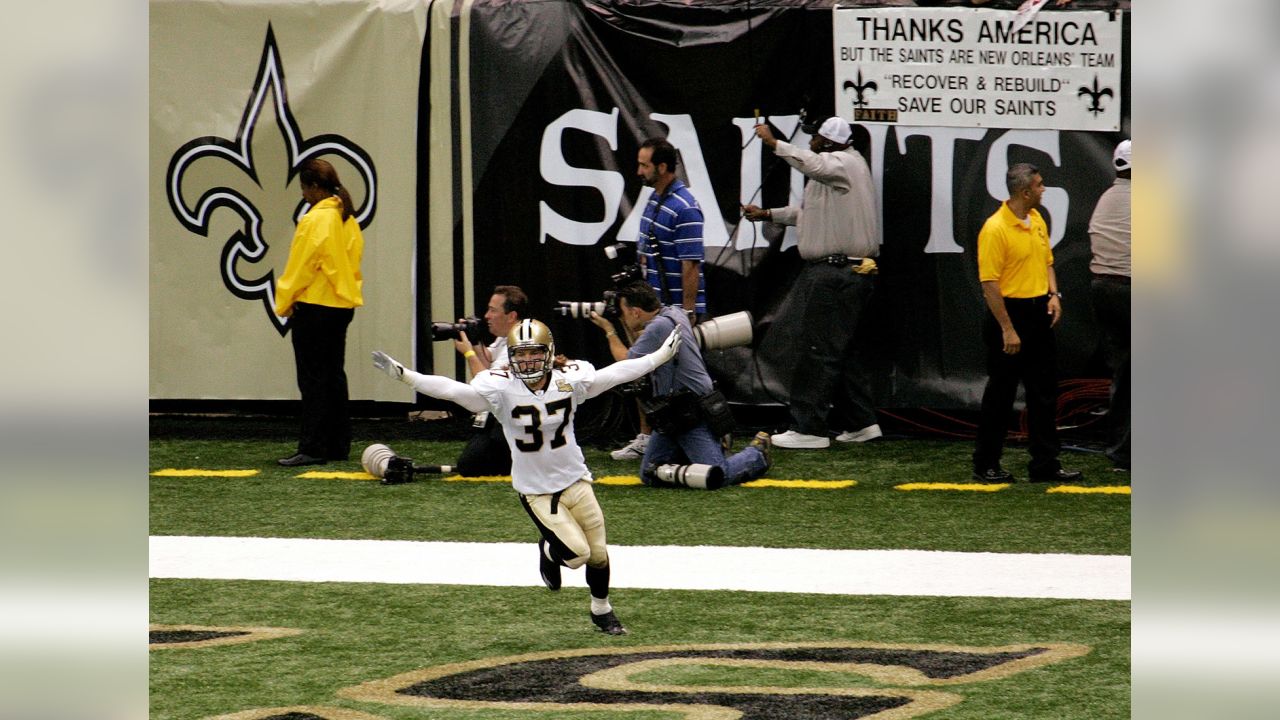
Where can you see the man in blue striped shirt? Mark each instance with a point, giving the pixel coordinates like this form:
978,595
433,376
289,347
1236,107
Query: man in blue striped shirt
669,249
670,242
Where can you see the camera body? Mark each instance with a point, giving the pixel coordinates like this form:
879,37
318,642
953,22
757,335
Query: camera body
399,470
453,331
628,273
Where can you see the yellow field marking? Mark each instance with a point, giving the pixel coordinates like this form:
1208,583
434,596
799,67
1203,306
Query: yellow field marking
479,478
173,472
1104,489
964,487
633,480
804,484
619,480
335,475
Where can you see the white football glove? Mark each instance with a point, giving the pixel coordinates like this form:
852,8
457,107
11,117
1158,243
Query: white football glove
388,365
669,347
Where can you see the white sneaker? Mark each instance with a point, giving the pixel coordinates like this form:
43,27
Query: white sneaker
870,432
799,441
633,450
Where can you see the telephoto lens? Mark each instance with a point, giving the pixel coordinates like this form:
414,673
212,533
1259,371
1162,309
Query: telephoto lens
453,331
701,477
378,458
576,309
725,331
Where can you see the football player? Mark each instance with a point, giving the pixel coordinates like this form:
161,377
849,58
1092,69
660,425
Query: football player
535,399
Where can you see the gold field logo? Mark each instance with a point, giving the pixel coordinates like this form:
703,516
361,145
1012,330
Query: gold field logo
893,681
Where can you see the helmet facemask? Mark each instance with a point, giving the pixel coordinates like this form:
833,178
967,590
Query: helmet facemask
530,349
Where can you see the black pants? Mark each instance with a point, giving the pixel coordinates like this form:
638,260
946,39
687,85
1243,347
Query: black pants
1111,305
487,452
832,301
1035,367
319,337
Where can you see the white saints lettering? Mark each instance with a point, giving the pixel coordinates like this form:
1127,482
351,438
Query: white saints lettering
609,185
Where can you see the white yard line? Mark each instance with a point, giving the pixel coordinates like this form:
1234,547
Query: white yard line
836,572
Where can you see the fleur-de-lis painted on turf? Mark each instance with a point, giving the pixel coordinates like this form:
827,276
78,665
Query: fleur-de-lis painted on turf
247,244
860,87
1096,94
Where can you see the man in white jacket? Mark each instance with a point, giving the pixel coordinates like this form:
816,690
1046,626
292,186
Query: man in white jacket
535,399
838,234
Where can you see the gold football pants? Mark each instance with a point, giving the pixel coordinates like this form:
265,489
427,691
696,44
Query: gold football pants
572,522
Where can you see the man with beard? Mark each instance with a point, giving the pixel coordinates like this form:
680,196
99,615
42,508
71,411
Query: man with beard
669,248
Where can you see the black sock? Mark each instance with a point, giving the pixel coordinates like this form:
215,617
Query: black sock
598,581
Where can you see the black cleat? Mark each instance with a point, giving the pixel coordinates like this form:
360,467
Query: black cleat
1058,476
608,623
993,475
549,569
300,459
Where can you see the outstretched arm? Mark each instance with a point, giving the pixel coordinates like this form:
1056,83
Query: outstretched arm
625,371
824,167
433,385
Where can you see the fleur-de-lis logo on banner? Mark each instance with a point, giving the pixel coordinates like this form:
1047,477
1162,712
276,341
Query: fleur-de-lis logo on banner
861,88
1095,94
246,245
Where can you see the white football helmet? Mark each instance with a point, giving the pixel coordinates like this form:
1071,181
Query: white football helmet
525,336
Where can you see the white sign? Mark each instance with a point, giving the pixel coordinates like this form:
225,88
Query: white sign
962,67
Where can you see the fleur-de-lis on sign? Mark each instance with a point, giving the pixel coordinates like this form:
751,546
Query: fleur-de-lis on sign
1096,93
247,243
860,87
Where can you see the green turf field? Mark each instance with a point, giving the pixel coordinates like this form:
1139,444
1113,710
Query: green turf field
935,650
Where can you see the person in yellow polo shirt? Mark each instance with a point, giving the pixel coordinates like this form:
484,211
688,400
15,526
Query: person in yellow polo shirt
1015,266
319,292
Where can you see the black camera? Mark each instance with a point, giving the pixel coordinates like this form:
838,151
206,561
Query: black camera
399,470
629,273
453,331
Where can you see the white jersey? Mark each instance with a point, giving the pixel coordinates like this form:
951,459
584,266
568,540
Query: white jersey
498,351
538,426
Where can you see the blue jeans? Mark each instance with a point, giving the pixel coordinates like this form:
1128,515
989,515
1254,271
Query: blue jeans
698,445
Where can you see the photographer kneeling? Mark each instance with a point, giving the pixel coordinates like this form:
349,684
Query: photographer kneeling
682,405
486,453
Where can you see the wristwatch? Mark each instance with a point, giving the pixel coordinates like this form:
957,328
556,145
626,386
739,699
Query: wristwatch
1057,293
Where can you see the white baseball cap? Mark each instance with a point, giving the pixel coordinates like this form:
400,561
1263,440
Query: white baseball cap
1122,157
836,130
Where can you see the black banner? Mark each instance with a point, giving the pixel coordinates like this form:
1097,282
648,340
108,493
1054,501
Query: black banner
563,93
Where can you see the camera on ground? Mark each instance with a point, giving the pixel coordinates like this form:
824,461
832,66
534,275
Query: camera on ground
383,463
701,477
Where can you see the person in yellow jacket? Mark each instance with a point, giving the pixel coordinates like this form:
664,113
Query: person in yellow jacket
319,292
